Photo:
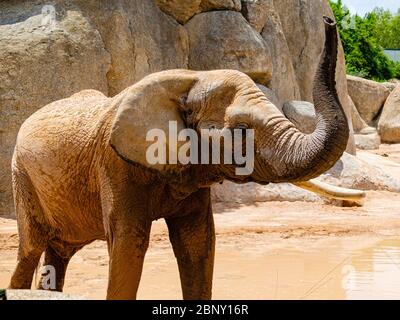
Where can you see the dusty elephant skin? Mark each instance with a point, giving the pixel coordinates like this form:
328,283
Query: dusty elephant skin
80,172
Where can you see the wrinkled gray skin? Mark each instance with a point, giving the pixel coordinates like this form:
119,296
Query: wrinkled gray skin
80,174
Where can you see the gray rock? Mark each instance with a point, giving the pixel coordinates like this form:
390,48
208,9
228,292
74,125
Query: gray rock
208,5
213,45
180,10
256,12
369,141
183,10
230,192
389,122
139,45
368,96
284,81
42,61
358,123
389,85
302,114
12,294
355,173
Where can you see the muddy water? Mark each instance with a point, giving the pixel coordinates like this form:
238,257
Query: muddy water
327,271
322,273
374,272
296,268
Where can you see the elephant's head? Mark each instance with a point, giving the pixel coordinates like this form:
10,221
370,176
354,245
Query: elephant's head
229,99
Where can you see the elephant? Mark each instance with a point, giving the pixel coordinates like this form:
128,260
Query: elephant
80,173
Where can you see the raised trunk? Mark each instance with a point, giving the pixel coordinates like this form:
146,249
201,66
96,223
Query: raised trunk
290,155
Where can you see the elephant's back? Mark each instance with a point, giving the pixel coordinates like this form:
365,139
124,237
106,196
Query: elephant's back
75,109
63,123
58,137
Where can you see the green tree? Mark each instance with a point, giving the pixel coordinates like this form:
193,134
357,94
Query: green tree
385,27
380,21
395,27
364,40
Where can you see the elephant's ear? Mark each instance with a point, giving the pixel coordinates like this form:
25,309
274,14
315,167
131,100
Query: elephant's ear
153,103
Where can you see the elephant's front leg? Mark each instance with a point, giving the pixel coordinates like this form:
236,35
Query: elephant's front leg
128,240
193,241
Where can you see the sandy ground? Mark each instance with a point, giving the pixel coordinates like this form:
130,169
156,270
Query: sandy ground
274,250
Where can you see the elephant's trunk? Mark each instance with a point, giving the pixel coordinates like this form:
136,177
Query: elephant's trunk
290,155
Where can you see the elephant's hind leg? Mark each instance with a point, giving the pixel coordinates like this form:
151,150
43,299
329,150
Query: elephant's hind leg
56,261
32,237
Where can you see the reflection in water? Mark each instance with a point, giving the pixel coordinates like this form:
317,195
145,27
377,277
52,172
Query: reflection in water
326,271
374,273
331,272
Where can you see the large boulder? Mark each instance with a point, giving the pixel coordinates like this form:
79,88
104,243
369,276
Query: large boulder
368,141
368,96
42,60
389,122
256,12
304,32
214,45
358,123
183,10
247,193
283,81
356,173
138,45
180,10
389,85
208,5
365,136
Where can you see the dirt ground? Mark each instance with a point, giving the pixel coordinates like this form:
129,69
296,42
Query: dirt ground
274,250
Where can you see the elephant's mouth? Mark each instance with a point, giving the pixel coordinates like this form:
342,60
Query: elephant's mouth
229,173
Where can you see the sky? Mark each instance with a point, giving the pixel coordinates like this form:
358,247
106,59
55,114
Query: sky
361,7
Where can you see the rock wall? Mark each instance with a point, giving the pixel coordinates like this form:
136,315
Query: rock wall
51,49
39,64
376,112
389,122
368,96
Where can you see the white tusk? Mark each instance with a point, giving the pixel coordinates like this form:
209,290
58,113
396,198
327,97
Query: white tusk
331,191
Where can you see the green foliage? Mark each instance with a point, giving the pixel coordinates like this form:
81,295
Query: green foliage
397,70
364,40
